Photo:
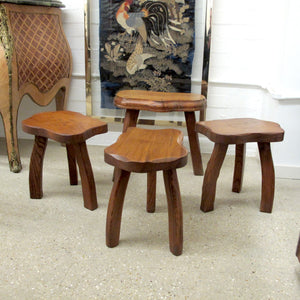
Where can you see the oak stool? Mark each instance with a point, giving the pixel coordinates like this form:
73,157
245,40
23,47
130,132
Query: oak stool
72,129
143,151
135,100
239,132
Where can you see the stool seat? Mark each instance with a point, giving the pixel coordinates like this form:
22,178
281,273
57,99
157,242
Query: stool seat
72,129
159,101
163,150
142,150
64,126
239,132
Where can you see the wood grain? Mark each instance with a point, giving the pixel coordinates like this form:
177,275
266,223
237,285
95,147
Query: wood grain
211,176
239,162
174,211
144,150
268,177
64,126
240,131
159,101
36,167
115,207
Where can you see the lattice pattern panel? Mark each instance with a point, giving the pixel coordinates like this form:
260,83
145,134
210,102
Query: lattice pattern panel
41,49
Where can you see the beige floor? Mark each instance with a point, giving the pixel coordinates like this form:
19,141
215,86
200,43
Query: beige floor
55,249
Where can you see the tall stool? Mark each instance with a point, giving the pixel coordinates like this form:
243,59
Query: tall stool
142,151
69,128
135,100
239,132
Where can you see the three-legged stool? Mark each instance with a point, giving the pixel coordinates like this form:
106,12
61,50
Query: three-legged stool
239,132
135,100
72,129
143,151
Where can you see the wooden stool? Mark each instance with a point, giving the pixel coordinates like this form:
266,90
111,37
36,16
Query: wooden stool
142,151
135,100
239,132
72,129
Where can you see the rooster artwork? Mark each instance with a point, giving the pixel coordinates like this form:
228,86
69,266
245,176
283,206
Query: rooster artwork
145,44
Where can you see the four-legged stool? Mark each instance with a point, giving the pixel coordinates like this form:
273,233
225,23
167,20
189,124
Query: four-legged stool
239,132
143,151
69,128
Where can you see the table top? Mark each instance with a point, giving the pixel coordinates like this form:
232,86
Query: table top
52,3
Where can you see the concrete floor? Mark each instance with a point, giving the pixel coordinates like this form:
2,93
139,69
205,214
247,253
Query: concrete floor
53,248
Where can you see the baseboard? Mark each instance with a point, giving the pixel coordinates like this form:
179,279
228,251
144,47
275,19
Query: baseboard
289,172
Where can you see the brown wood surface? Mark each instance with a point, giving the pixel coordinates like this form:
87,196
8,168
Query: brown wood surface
240,152
64,126
52,63
71,155
240,131
194,143
211,176
268,177
174,211
144,150
151,191
36,168
86,175
115,207
159,101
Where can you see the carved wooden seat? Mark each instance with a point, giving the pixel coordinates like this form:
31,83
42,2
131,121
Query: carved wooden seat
72,129
239,132
142,151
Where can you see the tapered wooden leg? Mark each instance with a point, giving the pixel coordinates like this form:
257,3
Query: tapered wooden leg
115,207
151,191
36,167
194,142
268,177
174,211
86,175
237,183
72,164
211,176
130,120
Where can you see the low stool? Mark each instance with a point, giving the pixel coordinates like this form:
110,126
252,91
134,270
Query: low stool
239,132
72,129
143,151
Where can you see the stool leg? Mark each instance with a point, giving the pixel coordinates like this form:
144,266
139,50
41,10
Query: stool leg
72,164
151,191
86,175
130,120
174,211
36,167
115,207
194,142
210,177
268,177
240,150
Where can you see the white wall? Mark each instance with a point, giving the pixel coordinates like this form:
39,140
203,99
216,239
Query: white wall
254,69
